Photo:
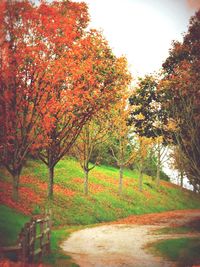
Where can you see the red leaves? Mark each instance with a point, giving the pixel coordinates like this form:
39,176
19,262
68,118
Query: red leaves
63,191
94,188
155,218
55,74
8,263
28,198
43,186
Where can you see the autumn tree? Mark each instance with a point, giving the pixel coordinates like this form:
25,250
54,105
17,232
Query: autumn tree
54,76
180,85
94,77
177,162
31,42
160,156
121,136
142,148
91,137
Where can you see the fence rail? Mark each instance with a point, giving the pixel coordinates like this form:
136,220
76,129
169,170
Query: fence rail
33,240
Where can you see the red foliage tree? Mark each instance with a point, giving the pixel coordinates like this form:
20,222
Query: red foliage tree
32,43
54,77
94,78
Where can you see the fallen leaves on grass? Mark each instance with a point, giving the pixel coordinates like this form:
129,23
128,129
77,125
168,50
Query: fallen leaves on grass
43,186
147,194
64,191
8,263
78,180
155,218
96,188
28,198
169,185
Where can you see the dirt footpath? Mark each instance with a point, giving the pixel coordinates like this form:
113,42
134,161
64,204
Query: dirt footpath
122,243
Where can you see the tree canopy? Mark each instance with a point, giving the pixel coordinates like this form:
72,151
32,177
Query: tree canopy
181,84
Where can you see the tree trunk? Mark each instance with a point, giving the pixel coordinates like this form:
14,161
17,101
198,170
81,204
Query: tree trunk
86,182
15,191
158,175
121,170
194,188
181,178
50,185
158,168
140,180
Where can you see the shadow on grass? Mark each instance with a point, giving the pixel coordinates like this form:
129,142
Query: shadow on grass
184,251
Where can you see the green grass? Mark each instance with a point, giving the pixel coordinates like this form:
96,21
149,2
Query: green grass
185,251
11,223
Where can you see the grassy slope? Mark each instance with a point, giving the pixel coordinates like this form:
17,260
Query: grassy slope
70,206
103,203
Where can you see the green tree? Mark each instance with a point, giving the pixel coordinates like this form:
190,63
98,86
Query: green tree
146,114
148,117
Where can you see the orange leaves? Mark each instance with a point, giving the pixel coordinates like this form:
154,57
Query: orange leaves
144,146
63,191
43,186
94,188
27,198
77,180
8,263
58,74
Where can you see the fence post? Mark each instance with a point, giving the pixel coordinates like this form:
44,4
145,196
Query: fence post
32,237
23,242
42,229
48,234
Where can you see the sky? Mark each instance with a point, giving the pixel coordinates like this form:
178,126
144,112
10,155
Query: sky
142,30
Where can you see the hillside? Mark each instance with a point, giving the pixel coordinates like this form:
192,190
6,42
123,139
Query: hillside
70,206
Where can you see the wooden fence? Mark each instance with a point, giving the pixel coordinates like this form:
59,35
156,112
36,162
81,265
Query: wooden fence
33,240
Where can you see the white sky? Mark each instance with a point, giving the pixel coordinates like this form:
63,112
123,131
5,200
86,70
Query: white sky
142,30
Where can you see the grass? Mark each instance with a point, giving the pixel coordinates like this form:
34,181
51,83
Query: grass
103,202
185,251
11,223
